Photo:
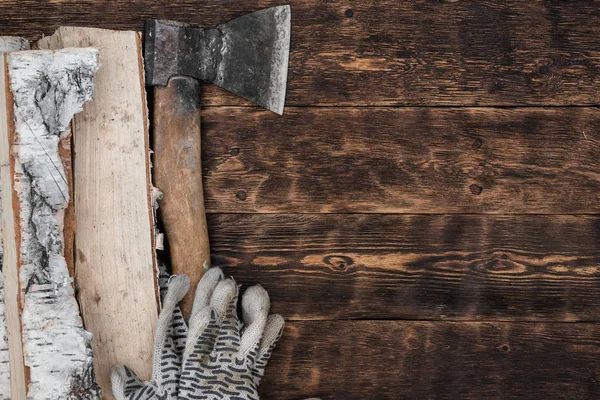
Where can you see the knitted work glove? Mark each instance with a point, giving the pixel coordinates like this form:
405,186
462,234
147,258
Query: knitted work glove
171,333
223,358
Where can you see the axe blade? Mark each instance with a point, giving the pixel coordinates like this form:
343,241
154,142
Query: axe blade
247,56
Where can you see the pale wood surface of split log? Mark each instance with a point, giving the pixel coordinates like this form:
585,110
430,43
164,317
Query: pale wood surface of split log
10,326
7,44
115,259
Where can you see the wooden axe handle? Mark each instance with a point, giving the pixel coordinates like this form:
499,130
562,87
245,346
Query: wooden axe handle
178,175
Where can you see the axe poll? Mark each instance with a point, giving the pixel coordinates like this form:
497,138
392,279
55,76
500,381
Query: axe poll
247,56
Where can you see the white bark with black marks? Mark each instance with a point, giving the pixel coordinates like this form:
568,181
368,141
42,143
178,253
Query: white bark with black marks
12,43
48,88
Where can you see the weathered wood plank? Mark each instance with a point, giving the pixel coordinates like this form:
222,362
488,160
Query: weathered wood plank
414,160
115,256
467,267
424,360
493,52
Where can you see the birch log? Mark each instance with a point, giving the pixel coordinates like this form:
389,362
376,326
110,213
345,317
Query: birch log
115,258
7,44
43,90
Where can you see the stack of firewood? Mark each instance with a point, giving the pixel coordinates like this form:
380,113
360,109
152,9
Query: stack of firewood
77,202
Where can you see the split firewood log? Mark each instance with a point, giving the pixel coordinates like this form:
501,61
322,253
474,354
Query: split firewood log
50,352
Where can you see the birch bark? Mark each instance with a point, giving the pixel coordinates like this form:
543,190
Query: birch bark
44,89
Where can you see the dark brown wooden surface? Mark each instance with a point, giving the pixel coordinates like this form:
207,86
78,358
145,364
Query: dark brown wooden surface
408,160
480,210
388,52
372,266
435,360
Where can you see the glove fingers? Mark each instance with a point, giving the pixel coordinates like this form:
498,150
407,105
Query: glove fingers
223,294
199,339
124,382
271,335
179,330
205,289
171,332
228,341
255,309
195,370
178,287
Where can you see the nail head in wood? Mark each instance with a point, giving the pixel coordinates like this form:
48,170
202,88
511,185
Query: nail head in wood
241,195
476,189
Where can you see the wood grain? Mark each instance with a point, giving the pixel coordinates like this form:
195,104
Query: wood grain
178,175
115,257
15,373
468,267
493,52
414,160
7,44
342,268
428,360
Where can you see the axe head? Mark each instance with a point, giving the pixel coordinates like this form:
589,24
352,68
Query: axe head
247,56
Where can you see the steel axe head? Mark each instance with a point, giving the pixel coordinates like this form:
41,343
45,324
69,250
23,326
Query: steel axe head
247,56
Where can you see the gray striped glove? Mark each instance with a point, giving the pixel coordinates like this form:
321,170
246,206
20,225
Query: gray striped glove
171,333
223,358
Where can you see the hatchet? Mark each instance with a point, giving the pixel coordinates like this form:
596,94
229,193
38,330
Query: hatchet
247,56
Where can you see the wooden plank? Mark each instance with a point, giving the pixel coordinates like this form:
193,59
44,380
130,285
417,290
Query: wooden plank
464,267
50,352
493,52
7,44
115,262
414,160
424,360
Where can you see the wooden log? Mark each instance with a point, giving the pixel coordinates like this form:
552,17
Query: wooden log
7,44
41,91
386,52
463,267
115,256
389,360
414,160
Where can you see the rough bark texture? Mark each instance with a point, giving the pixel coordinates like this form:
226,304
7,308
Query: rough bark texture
12,43
47,89
7,44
